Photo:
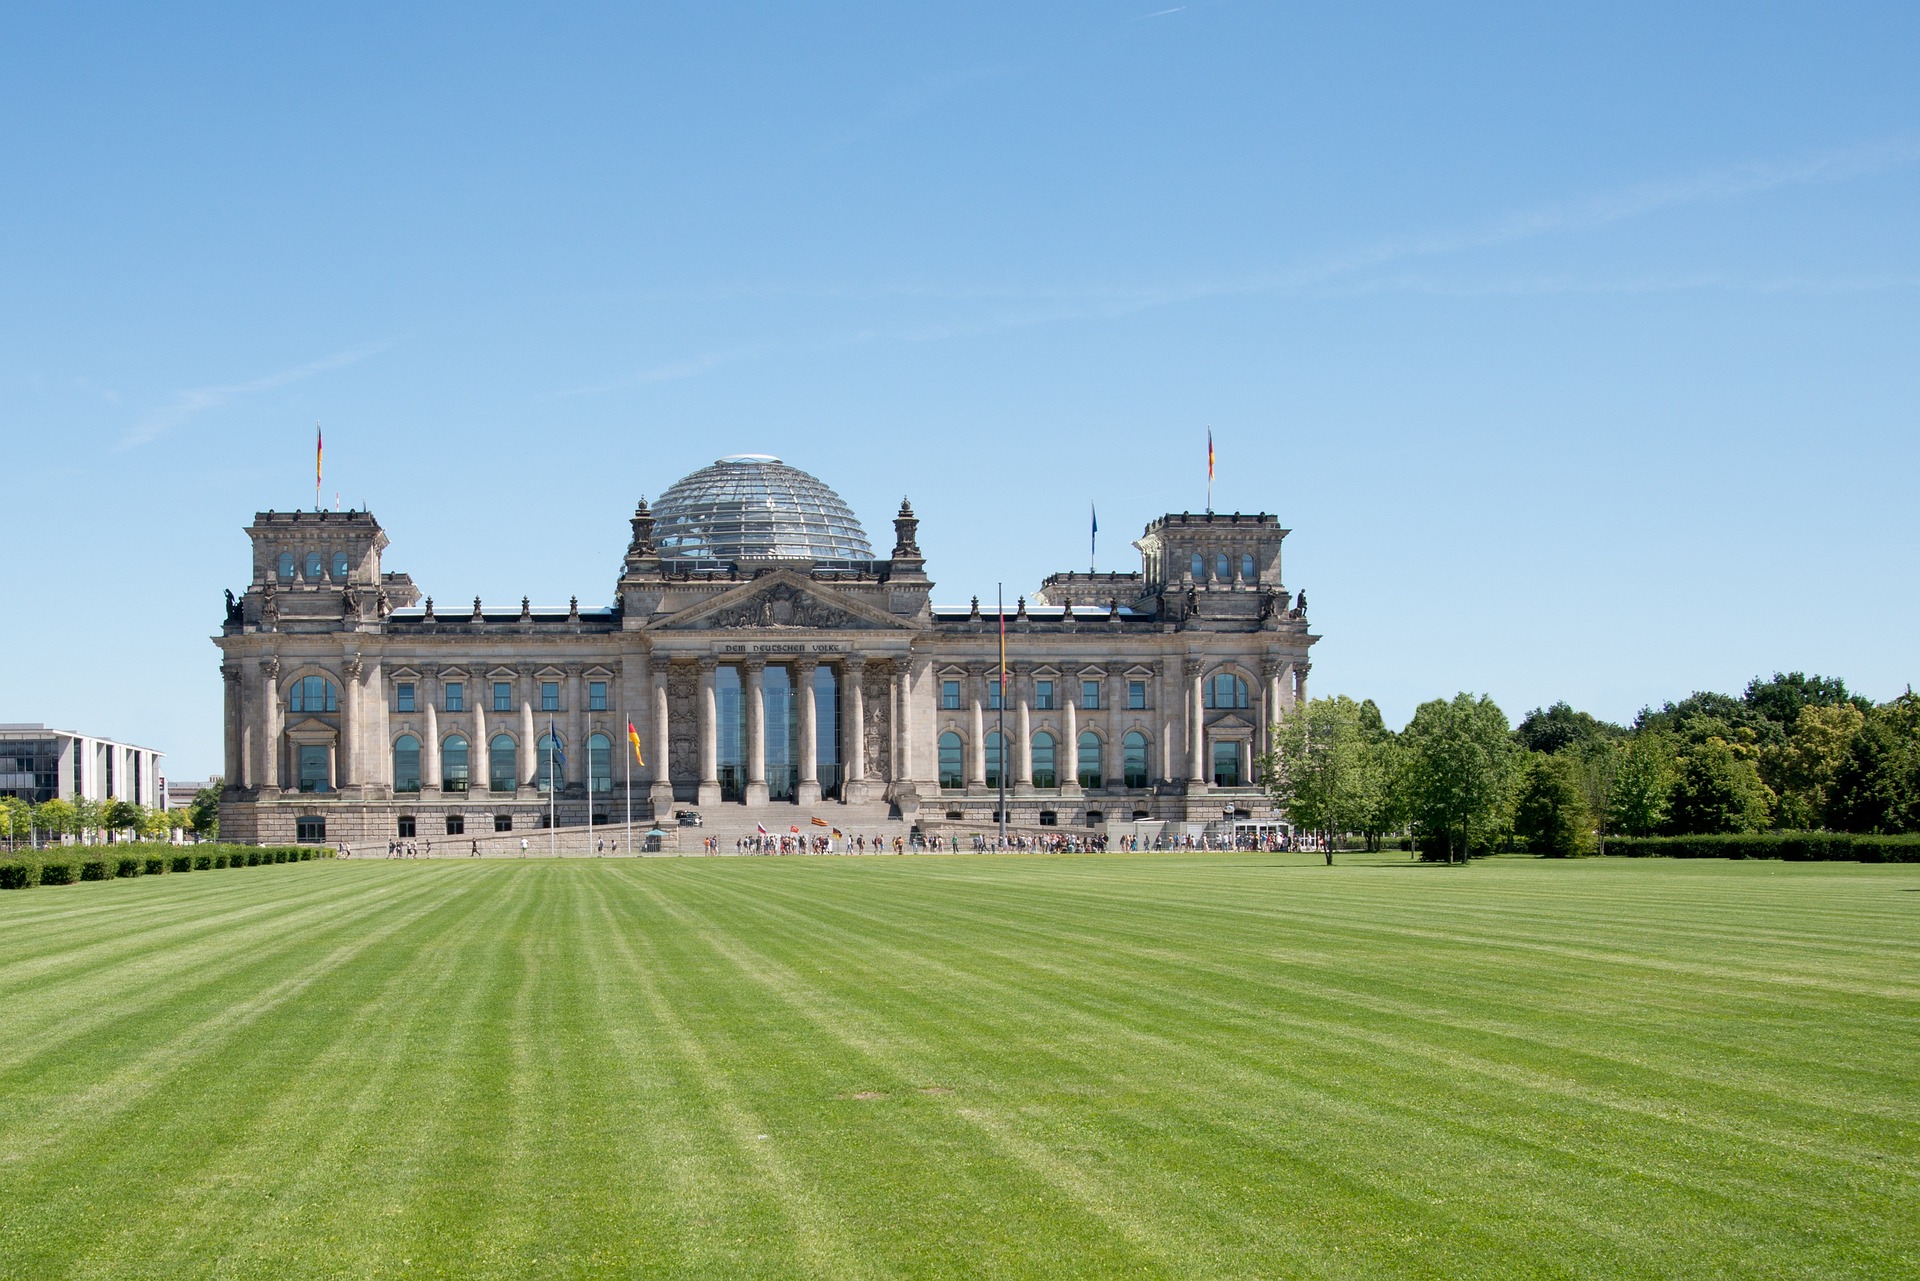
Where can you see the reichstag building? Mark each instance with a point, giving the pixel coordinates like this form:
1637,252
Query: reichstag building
768,660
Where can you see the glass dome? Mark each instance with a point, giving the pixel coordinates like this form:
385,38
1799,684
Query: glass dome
753,506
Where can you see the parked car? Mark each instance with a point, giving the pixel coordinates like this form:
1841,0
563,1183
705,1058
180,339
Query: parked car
687,818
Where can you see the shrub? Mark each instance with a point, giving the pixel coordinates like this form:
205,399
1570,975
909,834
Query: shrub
279,856
1793,847
127,865
180,863
202,862
155,865
18,873
96,867
253,858
58,870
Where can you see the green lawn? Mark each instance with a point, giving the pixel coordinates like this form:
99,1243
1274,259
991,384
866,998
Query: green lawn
1152,1065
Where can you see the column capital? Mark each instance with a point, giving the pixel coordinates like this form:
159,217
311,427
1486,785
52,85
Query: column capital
352,669
977,670
270,666
855,663
756,666
708,664
806,664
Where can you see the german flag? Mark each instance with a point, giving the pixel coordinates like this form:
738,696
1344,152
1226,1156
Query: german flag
818,822
633,736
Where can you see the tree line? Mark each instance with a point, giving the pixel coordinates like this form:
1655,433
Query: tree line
84,821
1792,753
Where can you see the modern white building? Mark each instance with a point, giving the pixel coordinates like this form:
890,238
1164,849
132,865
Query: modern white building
41,764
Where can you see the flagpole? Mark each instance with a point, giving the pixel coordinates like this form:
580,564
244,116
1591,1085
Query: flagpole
627,751
1000,605
586,747
553,793
319,454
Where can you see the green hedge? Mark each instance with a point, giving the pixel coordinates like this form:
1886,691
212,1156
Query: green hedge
65,865
1793,847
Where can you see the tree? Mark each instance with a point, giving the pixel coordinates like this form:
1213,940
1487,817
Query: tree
1557,728
1782,699
1802,770
1718,790
204,813
1643,783
1877,787
1460,768
1550,814
58,817
118,816
1314,771
16,819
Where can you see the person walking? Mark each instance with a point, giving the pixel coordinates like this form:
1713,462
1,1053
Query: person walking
523,847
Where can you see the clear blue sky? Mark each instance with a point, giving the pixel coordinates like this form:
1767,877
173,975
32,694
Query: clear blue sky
1576,345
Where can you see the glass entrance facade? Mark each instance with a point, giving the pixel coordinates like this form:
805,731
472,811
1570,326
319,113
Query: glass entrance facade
781,698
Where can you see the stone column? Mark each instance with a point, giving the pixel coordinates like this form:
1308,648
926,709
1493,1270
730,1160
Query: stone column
575,747
976,726
350,771
808,790
709,706
266,770
1171,695
230,726
1067,763
479,752
661,771
1022,729
1197,730
430,758
529,762
333,766
1300,685
853,729
756,700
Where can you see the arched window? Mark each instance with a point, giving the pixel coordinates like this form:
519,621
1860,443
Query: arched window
952,774
453,764
1226,764
1222,570
1043,761
406,764
313,694
599,763
550,763
1225,690
1089,759
1199,568
339,567
996,755
1246,567
283,567
313,567
1133,749
503,761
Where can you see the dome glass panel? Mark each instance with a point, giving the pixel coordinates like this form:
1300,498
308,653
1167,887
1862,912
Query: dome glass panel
755,507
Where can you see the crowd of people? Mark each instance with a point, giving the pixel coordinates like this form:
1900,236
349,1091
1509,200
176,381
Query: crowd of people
1016,842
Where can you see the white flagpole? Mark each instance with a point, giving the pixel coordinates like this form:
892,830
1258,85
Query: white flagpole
626,749
553,792
586,746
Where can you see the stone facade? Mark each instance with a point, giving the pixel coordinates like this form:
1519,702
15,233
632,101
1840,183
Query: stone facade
791,685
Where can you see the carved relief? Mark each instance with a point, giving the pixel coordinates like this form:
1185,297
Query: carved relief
785,606
683,752
877,694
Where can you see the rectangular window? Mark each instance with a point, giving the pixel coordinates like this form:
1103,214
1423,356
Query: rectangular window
950,696
993,695
1136,696
596,696
456,696
456,825
406,829
310,831
503,822
1043,696
403,696
314,775
549,696
503,696
1090,696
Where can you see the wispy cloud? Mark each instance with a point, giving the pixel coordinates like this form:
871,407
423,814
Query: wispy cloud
1159,13
199,400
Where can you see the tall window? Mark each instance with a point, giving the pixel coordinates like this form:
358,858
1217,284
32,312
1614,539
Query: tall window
1043,696
1222,570
1226,764
1090,759
406,764
1044,774
1199,568
599,763
503,696
952,772
456,695
993,694
503,762
1246,567
1133,751
1224,690
339,567
549,696
283,567
950,696
453,764
1136,696
551,761
312,766
1090,696
313,694
826,726
596,696
313,567
996,749
403,696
